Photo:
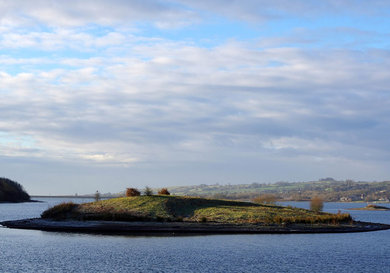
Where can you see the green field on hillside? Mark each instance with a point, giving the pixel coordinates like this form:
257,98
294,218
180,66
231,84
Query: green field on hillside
329,189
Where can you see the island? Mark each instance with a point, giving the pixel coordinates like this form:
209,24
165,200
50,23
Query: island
11,191
372,207
164,214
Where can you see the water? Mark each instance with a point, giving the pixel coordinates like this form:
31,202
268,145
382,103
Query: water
37,251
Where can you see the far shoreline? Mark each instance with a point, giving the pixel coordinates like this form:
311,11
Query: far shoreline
243,200
17,202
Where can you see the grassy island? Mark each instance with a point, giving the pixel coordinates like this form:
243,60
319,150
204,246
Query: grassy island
167,215
372,207
11,191
163,208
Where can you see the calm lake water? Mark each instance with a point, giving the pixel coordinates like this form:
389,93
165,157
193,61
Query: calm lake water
37,251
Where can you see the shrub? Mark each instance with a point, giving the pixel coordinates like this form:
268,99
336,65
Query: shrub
266,198
132,192
316,204
148,191
164,191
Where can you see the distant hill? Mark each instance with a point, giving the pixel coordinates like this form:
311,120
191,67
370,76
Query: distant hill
328,188
11,191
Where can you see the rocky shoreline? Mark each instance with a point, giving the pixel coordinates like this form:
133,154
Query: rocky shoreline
189,228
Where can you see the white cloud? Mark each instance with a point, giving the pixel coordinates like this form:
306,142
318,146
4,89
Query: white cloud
194,97
263,10
60,39
173,14
75,13
113,98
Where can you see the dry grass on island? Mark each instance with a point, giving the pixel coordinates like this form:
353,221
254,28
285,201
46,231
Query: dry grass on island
165,208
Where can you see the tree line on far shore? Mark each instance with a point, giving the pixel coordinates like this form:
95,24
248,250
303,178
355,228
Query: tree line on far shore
11,191
329,189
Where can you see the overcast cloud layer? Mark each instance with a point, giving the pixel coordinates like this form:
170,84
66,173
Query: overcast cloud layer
110,94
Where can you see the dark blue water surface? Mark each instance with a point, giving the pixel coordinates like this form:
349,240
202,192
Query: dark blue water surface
37,251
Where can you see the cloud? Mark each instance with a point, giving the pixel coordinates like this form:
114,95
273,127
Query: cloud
263,10
85,86
60,39
75,13
173,14
327,37
182,101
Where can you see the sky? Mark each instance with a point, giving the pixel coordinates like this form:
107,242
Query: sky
104,95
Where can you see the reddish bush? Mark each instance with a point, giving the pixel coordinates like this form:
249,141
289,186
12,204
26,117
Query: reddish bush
132,192
164,191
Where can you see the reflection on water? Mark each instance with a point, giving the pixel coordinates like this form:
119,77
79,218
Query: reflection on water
36,251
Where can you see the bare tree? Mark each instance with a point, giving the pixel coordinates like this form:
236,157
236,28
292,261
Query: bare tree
97,196
317,204
148,191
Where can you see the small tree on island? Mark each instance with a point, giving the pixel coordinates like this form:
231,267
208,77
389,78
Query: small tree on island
148,191
97,196
316,204
164,191
132,192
